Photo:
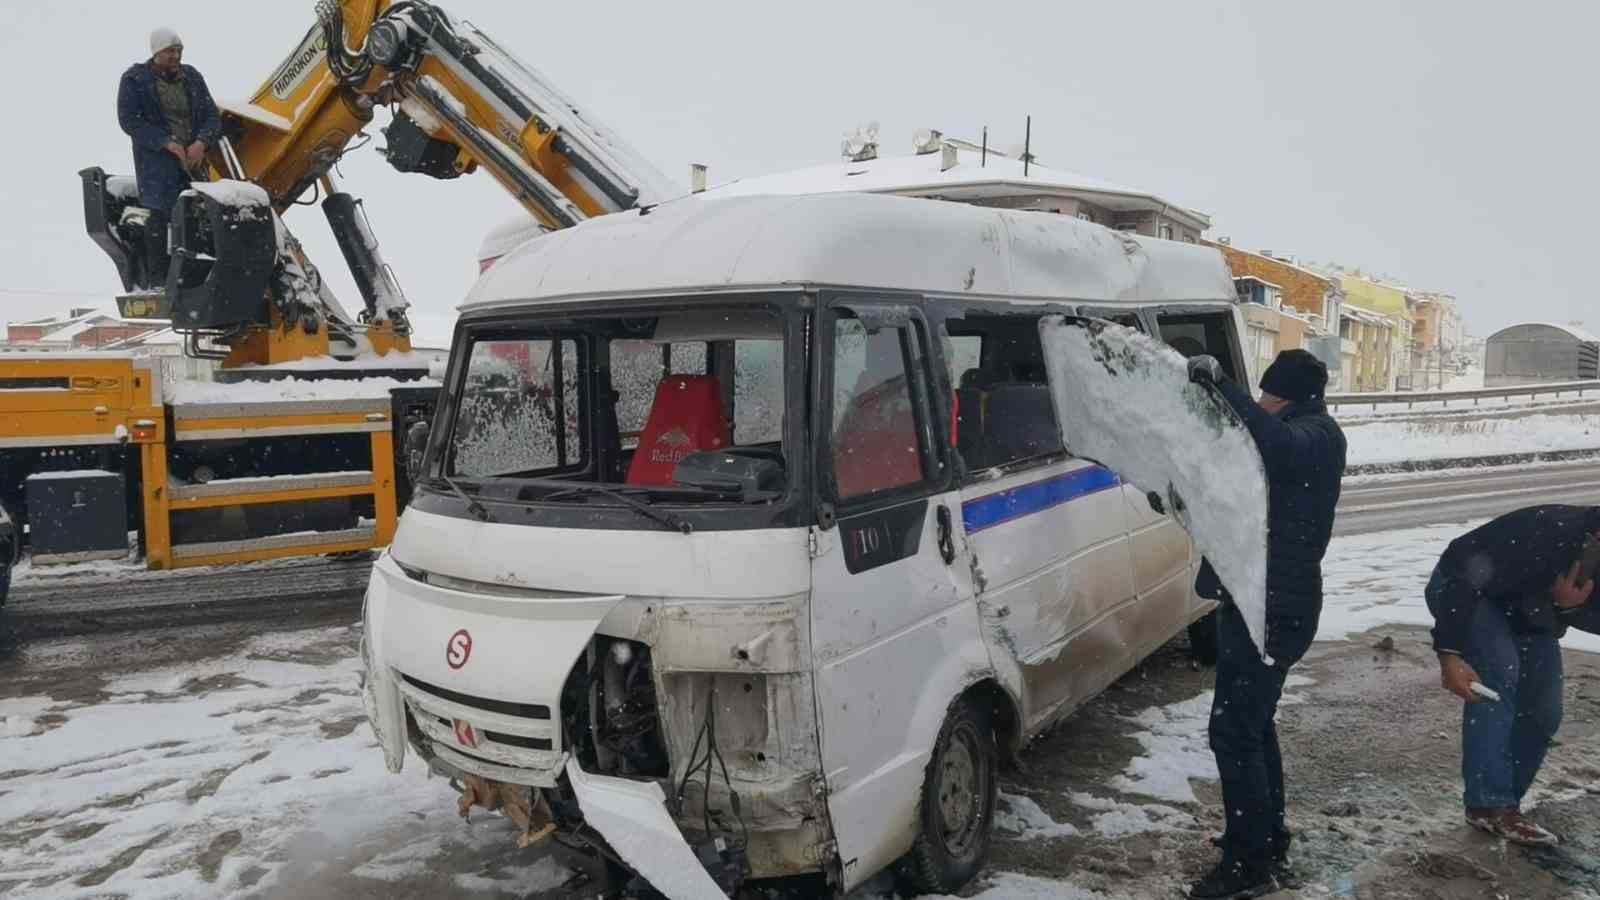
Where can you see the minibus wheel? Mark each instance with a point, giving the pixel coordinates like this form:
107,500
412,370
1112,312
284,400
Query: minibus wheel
1203,640
956,814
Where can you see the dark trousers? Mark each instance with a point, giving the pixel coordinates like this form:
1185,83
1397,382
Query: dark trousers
155,248
1245,742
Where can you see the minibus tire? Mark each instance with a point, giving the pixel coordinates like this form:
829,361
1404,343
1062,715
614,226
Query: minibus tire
964,754
1203,639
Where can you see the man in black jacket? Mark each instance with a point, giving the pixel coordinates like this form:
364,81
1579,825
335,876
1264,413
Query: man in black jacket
1303,452
1502,596
166,109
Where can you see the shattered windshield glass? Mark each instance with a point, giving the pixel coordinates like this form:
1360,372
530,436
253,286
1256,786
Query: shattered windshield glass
683,404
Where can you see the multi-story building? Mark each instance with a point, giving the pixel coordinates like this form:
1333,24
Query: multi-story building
1262,305
1306,314
1370,364
1388,301
1436,339
80,329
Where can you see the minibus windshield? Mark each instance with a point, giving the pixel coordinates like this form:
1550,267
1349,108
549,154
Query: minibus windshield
670,405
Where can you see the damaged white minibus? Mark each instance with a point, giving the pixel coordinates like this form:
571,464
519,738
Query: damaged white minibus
744,543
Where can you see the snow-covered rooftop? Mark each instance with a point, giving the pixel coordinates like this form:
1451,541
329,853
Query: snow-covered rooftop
1286,263
1275,286
1576,331
1363,315
164,337
108,310
971,178
711,241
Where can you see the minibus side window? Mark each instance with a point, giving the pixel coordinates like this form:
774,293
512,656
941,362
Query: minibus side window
1124,318
1192,334
875,431
962,352
1004,414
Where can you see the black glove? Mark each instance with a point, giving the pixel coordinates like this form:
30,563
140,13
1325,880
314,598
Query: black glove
1205,370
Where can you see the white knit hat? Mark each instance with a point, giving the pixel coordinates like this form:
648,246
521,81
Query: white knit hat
162,38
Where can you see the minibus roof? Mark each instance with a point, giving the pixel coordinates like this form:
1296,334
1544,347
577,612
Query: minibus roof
704,243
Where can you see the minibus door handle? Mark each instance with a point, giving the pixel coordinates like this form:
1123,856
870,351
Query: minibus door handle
947,544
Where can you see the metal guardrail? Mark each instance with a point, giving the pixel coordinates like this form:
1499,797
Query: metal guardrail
1411,399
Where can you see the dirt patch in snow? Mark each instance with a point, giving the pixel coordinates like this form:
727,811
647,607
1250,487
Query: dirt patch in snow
1372,760
210,861
1370,742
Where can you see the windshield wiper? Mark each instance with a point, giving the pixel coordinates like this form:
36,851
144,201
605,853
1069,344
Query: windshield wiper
477,510
643,509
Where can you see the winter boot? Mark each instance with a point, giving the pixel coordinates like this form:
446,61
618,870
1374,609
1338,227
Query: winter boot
1511,825
1234,881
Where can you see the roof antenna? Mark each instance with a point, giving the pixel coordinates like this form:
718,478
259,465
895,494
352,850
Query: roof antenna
983,159
1027,144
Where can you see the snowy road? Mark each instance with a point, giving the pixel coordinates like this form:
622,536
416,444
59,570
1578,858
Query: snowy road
105,597
123,596
1387,502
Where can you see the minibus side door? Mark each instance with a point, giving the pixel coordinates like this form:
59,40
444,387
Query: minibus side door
895,633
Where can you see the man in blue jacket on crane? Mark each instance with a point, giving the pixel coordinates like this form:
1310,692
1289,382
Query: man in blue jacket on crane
166,108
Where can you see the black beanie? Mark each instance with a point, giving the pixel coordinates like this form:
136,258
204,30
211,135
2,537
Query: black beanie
1296,376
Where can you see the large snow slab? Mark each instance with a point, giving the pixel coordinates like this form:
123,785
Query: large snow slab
633,818
1124,401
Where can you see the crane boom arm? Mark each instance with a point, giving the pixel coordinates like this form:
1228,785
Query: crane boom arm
462,101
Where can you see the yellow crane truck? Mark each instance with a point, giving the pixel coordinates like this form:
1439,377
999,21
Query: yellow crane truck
297,446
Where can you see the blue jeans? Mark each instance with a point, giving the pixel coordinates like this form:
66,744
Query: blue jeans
1503,743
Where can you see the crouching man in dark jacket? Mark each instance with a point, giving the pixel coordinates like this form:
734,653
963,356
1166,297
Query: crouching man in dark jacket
166,109
1303,451
1502,596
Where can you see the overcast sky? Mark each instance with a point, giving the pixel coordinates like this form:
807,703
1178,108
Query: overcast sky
1450,145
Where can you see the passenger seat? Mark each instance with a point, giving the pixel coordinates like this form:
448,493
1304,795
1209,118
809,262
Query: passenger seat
1005,416
1021,420
969,420
686,416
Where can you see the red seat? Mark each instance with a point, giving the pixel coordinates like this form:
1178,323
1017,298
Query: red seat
875,445
686,416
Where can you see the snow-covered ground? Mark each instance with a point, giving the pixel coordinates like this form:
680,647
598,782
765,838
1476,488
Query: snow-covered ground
245,772
1453,438
217,778
1378,579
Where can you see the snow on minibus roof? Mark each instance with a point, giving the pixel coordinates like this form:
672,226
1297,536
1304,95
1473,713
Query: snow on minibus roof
703,243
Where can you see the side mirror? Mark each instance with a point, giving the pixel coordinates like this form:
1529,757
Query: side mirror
416,446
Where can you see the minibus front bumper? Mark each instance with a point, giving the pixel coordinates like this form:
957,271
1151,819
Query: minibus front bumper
469,679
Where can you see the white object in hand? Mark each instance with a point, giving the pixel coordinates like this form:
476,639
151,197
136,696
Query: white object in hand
1482,691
